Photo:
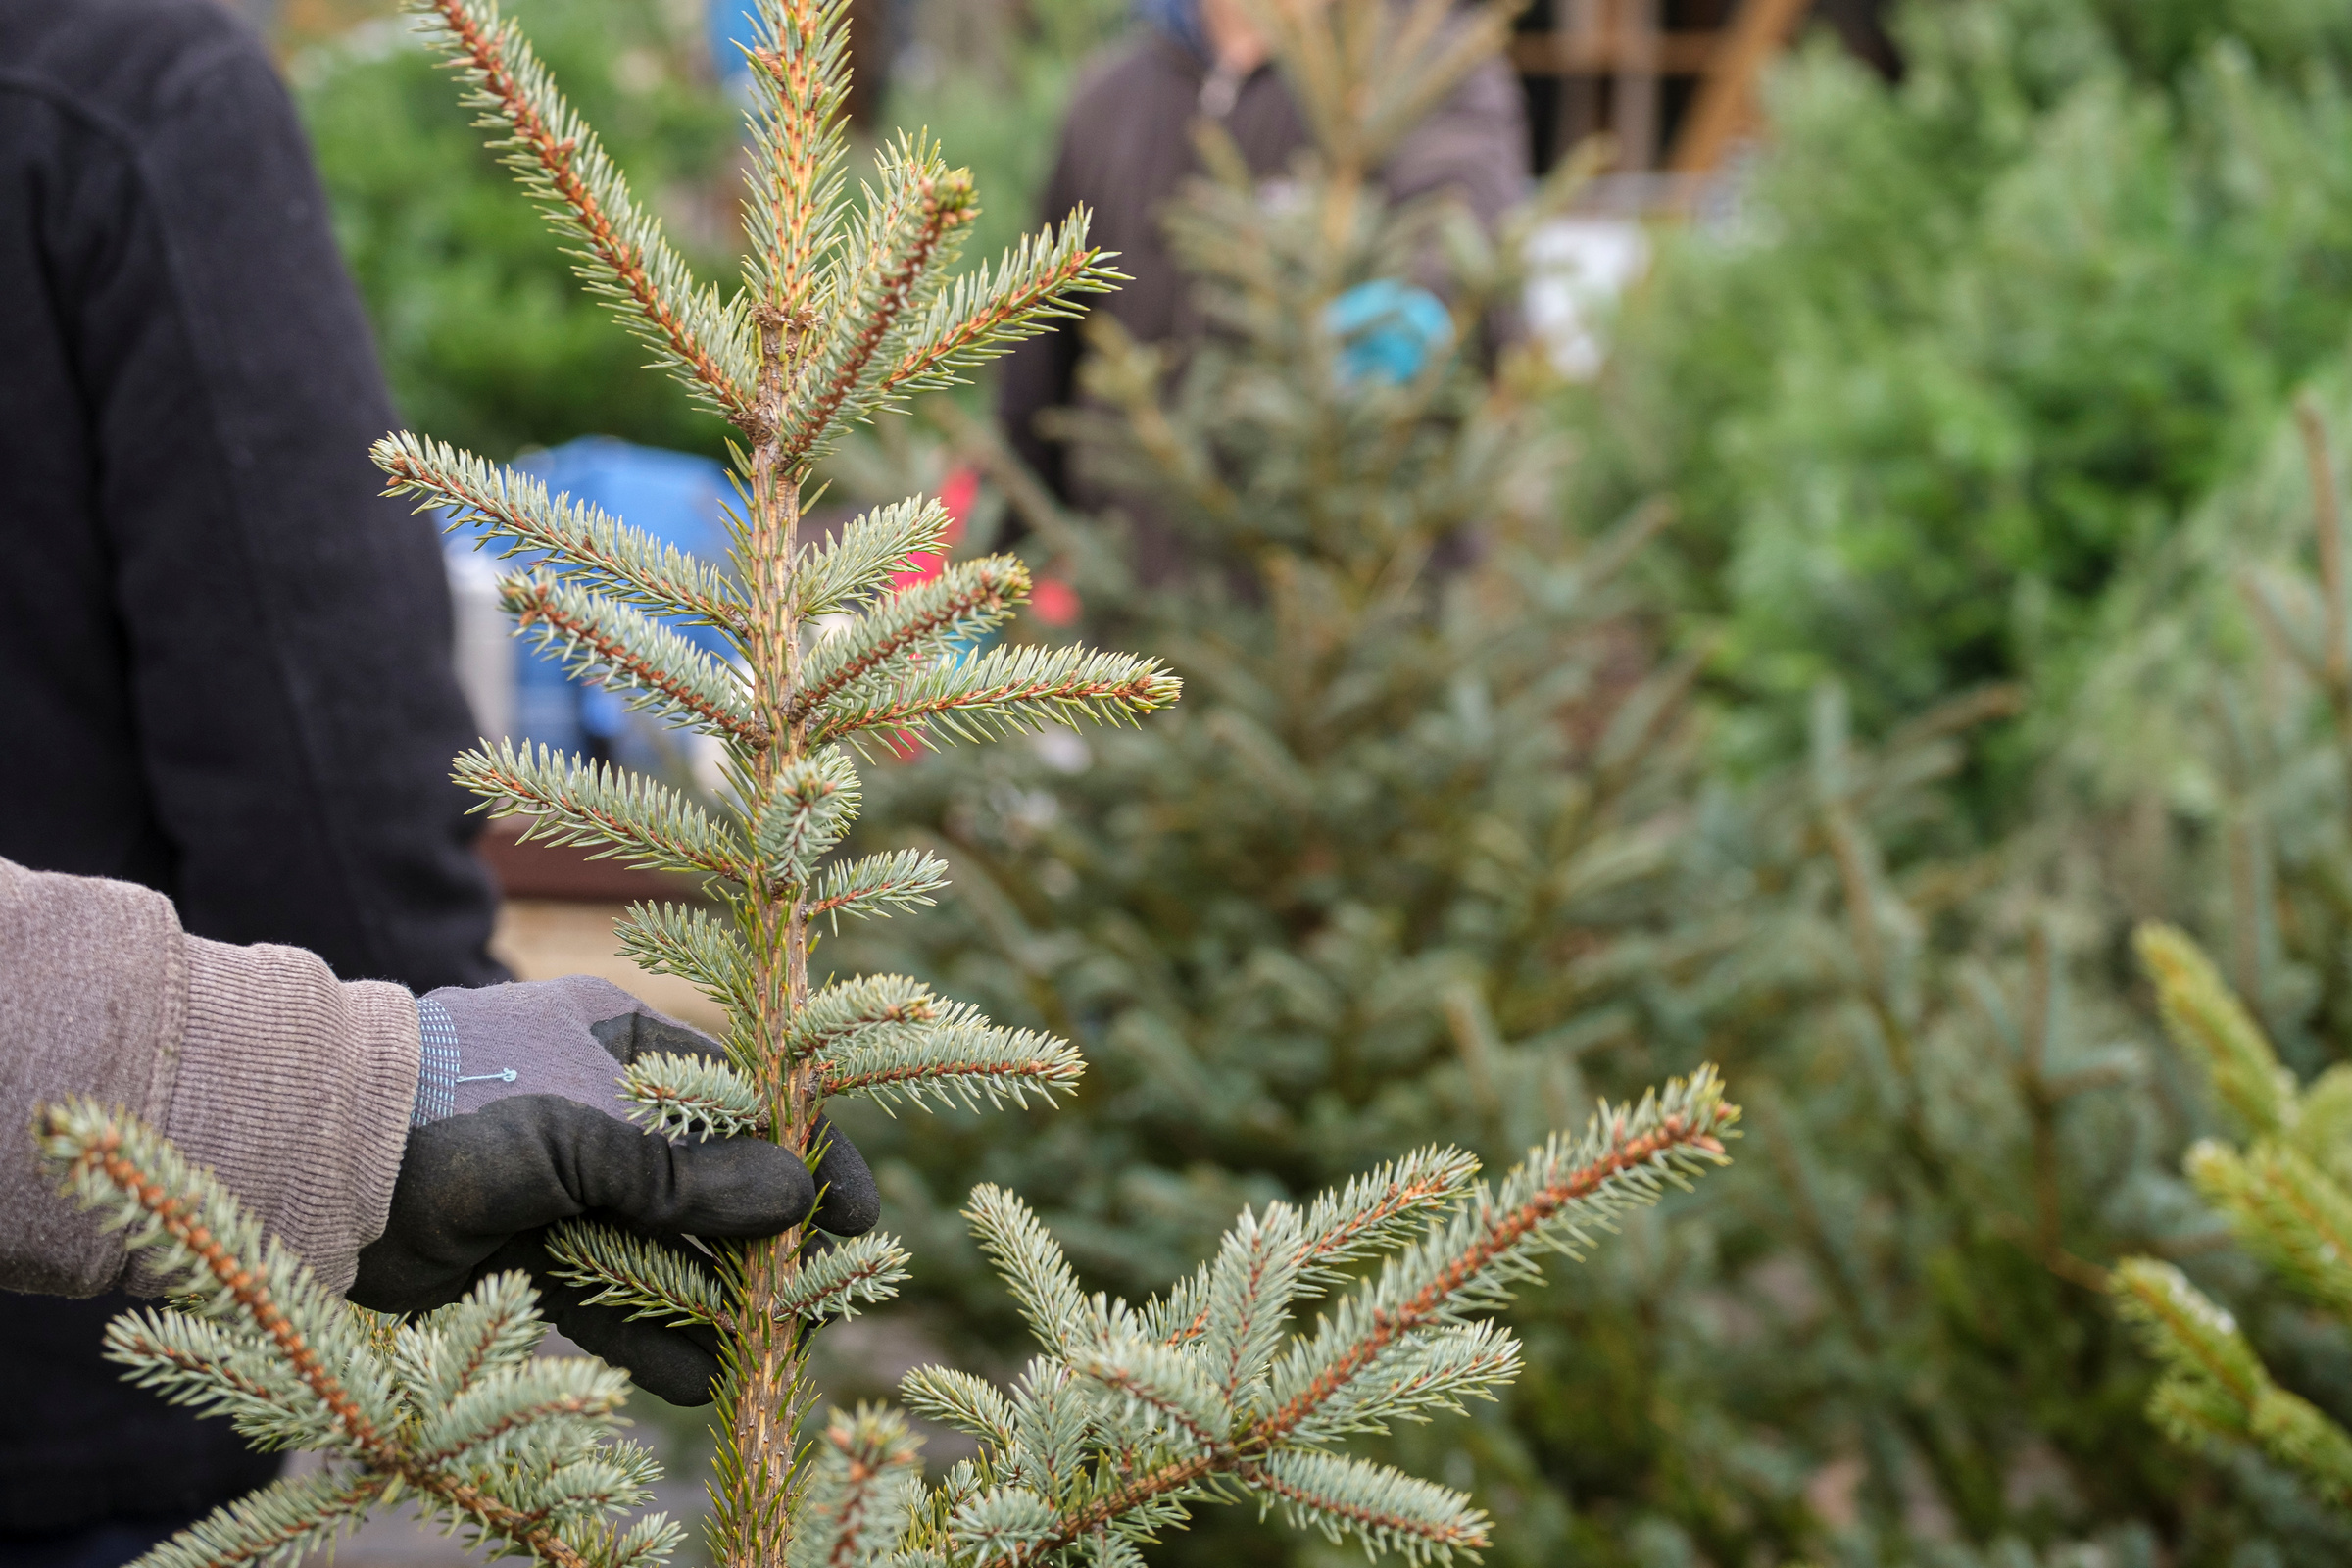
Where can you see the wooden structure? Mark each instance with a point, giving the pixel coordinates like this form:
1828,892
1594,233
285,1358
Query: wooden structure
1671,83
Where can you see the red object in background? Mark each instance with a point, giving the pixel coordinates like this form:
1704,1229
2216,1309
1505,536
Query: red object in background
957,493
1053,601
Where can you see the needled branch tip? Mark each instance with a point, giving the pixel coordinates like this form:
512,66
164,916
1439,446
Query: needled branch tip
601,636
560,161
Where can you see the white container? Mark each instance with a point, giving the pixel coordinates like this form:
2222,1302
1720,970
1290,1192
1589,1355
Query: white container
1577,267
484,643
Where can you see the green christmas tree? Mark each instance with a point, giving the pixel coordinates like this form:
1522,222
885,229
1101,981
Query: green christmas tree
2231,657
1343,898
1434,842
1402,866
1131,1414
1978,337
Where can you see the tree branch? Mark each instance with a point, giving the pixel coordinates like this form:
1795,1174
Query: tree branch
104,1154
485,51
942,202
537,602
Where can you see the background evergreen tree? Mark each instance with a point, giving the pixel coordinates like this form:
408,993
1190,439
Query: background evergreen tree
1977,339
1301,914
1422,770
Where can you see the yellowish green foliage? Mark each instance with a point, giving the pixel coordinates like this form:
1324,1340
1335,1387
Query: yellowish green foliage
2285,1196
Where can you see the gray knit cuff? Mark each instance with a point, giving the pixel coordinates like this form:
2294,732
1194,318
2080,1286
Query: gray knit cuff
94,1003
296,1088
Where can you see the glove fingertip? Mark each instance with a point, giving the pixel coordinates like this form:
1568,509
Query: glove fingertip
740,1187
851,1203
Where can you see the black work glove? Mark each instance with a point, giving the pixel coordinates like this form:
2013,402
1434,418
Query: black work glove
520,1125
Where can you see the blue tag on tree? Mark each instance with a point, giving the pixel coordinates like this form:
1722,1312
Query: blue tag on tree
1389,330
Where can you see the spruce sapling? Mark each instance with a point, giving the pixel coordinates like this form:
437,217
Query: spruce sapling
845,308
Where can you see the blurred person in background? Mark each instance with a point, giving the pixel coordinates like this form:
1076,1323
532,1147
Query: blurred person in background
1127,149
228,657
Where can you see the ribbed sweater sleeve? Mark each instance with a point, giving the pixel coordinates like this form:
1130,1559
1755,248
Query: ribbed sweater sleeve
296,1088
292,1087
93,1000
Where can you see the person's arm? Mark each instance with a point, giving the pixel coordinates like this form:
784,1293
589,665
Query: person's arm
287,628
403,1146
293,1088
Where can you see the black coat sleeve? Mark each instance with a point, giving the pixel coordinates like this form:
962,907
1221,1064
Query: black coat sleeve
281,630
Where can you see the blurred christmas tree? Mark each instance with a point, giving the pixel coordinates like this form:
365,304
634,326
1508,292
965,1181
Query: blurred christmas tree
1979,338
1433,846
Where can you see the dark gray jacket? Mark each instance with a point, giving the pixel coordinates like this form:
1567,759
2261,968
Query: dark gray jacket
227,671
1126,150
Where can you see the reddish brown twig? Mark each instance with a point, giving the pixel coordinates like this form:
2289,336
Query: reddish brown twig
925,357
537,603
1366,1520
940,211
406,471
995,582
1503,1231
1135,692
1402,1198
860,1494
792,200
530,801
1033,1067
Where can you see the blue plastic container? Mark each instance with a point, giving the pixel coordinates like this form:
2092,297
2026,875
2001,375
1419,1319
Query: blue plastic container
675,496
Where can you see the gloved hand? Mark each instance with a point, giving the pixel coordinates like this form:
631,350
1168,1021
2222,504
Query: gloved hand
518,1125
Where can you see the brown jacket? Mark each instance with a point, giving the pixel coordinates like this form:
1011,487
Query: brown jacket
292,1087
1126,150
